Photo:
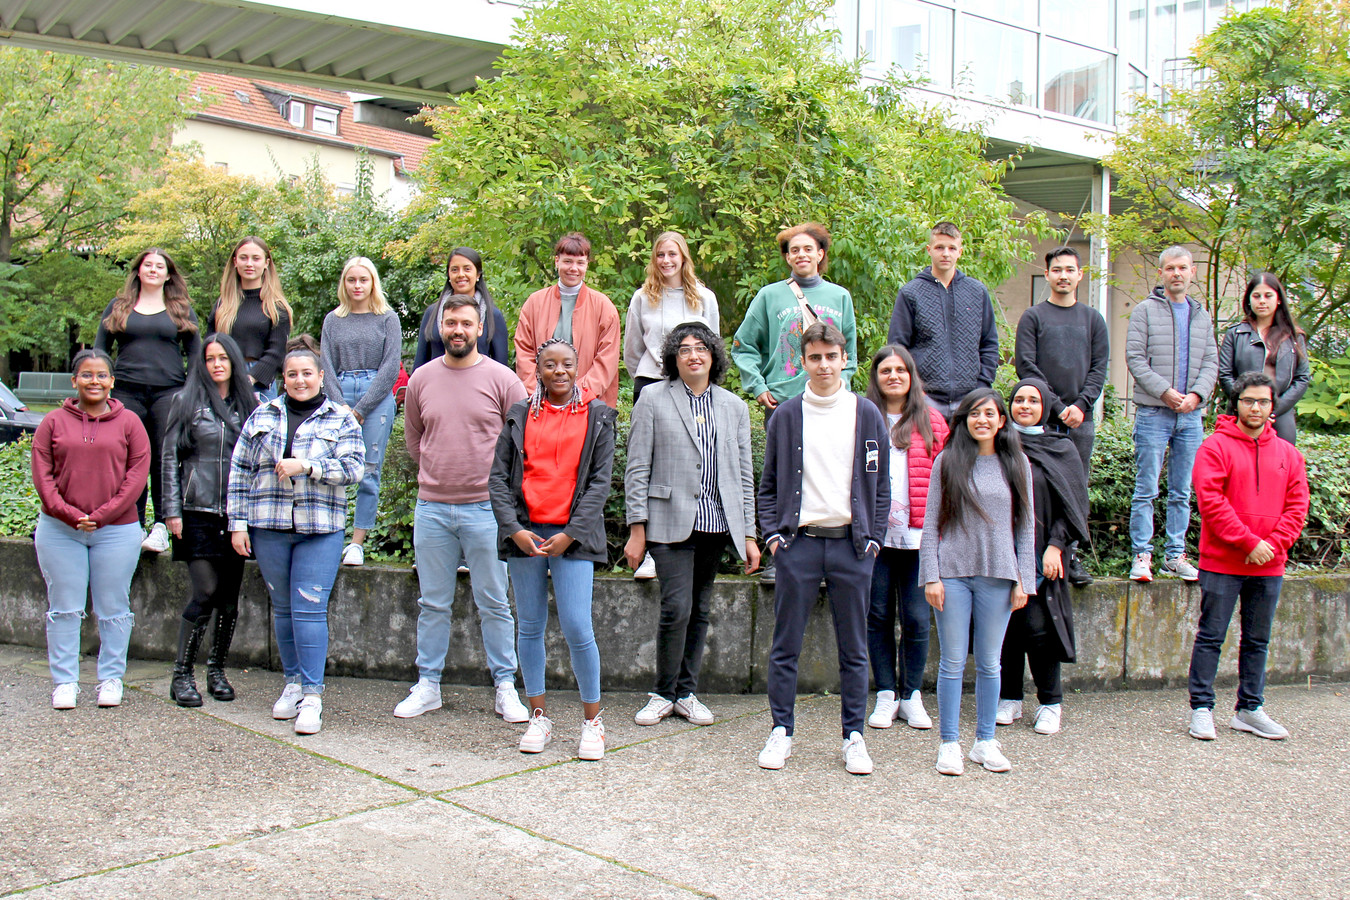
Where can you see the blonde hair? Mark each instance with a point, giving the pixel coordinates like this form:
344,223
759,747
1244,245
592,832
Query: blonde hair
378,305
655,284
232,289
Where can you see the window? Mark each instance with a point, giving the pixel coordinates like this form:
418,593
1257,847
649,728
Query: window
1078,81
912,36
325,120
1002,61
1091,23
295,113
1018,12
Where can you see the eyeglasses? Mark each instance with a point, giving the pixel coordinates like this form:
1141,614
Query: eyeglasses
1256,402
689,350
95,376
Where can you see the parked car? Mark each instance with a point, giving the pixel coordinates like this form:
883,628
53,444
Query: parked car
15,419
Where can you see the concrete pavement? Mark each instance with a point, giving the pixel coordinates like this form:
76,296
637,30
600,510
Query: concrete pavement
152,801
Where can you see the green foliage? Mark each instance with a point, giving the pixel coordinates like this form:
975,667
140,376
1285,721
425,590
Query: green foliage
1326,404
19,506
52,301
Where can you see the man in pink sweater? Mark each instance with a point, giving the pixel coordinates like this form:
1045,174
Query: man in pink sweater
1252,491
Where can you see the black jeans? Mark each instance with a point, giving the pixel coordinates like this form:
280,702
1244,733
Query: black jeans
1031,638
151,404
1219,594
640,383
686,571
895,577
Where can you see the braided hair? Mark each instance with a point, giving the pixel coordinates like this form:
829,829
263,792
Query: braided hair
537,399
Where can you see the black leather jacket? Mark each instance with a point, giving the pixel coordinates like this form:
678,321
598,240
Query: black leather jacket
195,478
1244,351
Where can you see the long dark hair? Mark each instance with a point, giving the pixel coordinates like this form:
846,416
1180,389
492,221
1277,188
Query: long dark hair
176,302
199,391
1282,327
480,288
915,417
958,462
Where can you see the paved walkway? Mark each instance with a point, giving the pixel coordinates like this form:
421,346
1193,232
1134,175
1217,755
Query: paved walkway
152,801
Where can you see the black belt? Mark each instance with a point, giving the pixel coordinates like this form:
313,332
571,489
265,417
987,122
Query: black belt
822,531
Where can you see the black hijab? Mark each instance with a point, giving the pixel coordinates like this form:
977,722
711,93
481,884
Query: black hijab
1057,458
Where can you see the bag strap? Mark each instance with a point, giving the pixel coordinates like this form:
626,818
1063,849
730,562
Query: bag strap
809,316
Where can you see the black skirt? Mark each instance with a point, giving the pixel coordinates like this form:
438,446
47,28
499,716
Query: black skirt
204,537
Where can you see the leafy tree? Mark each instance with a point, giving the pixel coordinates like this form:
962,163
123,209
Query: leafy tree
722,119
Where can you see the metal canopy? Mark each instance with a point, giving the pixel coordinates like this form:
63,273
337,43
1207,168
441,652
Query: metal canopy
1058,182
257,40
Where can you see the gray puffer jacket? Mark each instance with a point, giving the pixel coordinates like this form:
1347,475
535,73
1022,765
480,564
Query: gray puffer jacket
1151,351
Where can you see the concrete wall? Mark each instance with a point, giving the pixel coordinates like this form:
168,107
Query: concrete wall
1128,635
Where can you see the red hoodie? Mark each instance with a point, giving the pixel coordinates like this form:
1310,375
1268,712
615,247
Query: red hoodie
90,465
1248,490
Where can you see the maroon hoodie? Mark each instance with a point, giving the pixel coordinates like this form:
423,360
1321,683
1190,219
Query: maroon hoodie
1249,490
90,465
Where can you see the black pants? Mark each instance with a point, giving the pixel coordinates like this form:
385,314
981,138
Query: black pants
215,587
895,587
1219,595
1031,639
686,571
640,383
848,580
151,404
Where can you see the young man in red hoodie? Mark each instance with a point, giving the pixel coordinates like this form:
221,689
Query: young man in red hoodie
1252,491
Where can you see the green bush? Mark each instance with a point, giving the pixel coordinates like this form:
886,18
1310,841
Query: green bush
19,506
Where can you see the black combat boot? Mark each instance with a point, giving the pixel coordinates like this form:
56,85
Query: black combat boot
183,689
217,685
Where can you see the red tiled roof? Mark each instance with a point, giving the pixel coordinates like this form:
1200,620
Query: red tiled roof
222,102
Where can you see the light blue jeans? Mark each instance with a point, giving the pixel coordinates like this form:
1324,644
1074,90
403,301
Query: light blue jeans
299,570
375,433
987,603
442,532
67,558
573,583
1161,433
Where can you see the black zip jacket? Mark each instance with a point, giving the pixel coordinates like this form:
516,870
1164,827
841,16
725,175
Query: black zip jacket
196,479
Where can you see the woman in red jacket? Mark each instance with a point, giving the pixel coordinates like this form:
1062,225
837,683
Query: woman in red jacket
90,461
917,434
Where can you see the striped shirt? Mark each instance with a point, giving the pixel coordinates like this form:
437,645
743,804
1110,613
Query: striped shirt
709,516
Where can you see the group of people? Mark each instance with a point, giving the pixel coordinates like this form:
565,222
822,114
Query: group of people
930,492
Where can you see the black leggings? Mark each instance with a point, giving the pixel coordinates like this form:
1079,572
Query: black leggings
215,586
151,404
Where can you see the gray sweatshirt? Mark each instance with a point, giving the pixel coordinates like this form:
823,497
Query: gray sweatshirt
977,547
361,341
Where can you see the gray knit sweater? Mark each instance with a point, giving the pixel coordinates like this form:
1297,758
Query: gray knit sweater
361,341
977,547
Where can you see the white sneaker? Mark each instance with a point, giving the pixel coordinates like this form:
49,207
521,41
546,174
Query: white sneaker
856,760
646,571
538,735
691,709
1141,570
913,713
288,704
990,755
354,555
422,697
885,710
657,708
592,744
1047,719
1258,722
776,749
157,539
309,717
507,704
110,692
1009,711
949,760
63,695
1202,724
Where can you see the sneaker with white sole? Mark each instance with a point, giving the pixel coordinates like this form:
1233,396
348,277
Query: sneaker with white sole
690,708
288,704
776,749
913,713
309,715
1180,567
507,704
538,735
1141,570
1009,711
157,539
1047,718
657,708
1257,722
949,760
856,759
422,697
1202,724
592,743
646,571
63,695
110,692
354,555
884,711
990,755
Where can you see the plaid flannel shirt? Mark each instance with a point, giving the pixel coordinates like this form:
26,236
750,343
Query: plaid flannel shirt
330,439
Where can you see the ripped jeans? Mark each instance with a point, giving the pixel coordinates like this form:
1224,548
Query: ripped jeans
299,570
68,557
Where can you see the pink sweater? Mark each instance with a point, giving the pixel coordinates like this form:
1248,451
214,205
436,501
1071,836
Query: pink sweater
90,465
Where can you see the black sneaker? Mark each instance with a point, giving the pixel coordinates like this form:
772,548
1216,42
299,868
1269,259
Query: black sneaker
1078,574
767,575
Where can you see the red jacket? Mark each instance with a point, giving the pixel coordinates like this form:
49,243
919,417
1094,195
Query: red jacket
90,465
1248,490
920,459
595,334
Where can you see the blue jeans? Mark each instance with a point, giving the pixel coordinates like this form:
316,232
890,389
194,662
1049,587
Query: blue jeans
375,433
573,580
987,602
299,570
1219,594
895,576
266,392
442,533
1157,431
67,558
